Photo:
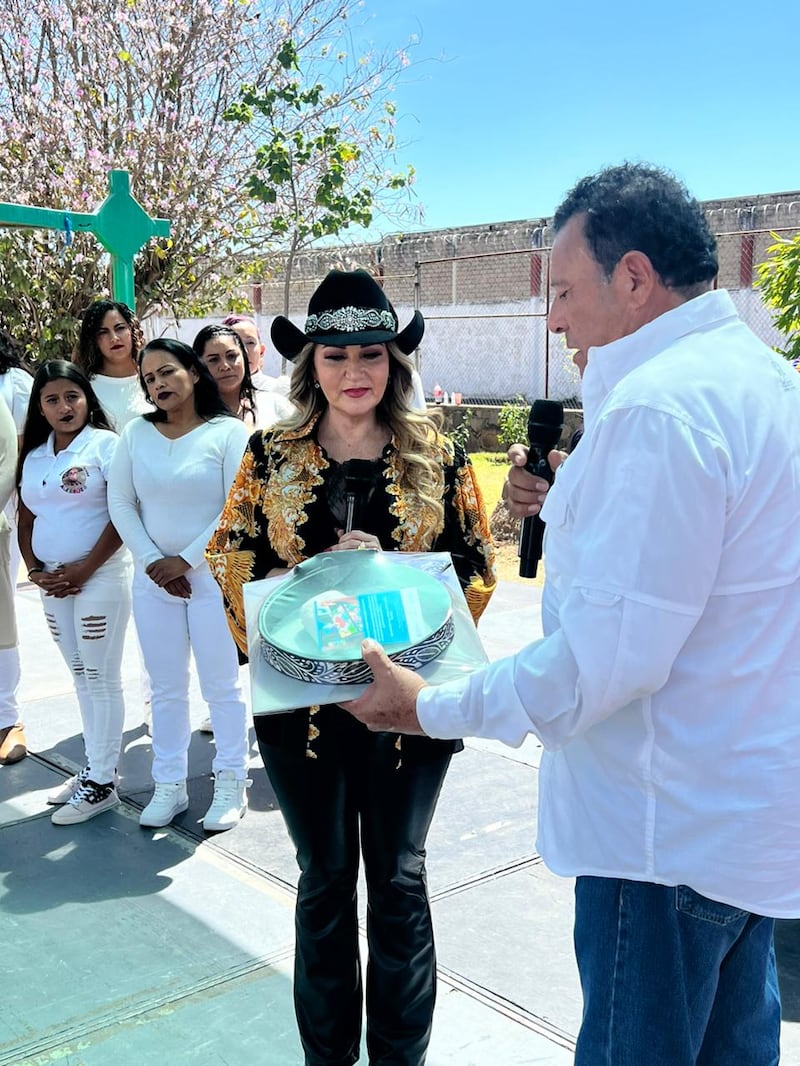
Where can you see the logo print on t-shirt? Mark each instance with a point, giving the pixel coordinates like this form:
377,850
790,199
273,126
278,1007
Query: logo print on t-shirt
74,479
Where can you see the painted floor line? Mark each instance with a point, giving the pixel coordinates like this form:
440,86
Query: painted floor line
70,1038
507,1008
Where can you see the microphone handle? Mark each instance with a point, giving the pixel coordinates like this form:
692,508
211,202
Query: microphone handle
358,482
532,531
530,545
351,509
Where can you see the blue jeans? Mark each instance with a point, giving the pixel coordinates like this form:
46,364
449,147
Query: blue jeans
671,978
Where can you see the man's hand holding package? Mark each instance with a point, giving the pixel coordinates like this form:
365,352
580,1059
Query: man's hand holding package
390,702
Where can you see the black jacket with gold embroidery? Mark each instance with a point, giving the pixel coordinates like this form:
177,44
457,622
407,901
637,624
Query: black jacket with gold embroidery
277,514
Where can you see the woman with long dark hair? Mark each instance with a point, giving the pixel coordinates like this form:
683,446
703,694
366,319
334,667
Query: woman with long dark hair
223,352
75,558
169,480
107,352
108,348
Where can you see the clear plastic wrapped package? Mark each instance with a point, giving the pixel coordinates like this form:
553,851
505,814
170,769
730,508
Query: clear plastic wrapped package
304,629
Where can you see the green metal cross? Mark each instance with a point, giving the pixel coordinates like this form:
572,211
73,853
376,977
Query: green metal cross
121,225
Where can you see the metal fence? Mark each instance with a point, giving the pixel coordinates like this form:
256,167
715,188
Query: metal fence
486,330
486,319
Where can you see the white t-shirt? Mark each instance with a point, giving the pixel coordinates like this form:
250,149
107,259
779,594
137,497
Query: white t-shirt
666,691
15,388
67,494
122,399
271,407
165,496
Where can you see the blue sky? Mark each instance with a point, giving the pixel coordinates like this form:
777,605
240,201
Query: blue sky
507,104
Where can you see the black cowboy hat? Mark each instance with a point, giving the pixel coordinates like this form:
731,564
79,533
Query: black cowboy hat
348,307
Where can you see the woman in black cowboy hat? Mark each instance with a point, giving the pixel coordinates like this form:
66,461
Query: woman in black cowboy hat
338,784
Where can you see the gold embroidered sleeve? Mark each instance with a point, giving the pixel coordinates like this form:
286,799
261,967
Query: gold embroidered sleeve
477,546
229,557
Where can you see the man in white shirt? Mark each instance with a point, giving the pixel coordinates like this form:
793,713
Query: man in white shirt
666,689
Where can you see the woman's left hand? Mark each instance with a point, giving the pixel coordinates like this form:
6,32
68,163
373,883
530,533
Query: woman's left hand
75,576
51,583
163,571
356,538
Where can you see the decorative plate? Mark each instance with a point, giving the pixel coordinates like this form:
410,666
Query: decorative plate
312,626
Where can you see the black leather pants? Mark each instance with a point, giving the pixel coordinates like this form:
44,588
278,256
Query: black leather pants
355,788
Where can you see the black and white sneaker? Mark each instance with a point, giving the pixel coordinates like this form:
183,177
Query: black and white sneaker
89,800
65,791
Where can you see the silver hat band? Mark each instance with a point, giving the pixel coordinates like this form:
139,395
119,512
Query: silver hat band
350,320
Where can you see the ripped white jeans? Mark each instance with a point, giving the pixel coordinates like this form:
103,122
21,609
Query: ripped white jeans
89,629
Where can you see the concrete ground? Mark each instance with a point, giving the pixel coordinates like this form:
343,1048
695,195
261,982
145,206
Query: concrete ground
167,947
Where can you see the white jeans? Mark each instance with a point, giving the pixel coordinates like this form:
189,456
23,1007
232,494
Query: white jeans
169,629
89,629
9,652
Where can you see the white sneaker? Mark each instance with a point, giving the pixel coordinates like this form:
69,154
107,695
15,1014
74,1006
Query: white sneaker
229,803
167,802
90,799
206,726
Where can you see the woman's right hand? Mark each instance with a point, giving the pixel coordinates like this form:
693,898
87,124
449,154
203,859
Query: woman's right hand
356,539
523,492
179,587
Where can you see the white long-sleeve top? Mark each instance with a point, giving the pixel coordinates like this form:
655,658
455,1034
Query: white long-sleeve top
667,687
165,496
122,399
15,388
8,459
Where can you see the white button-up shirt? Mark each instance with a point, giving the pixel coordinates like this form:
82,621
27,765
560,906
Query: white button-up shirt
667,688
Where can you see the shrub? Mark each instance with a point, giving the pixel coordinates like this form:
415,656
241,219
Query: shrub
779,281
512,422
460,433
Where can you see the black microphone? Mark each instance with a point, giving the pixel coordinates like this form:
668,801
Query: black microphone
358,481
545,423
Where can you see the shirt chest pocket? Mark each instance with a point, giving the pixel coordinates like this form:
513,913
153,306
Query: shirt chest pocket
561,505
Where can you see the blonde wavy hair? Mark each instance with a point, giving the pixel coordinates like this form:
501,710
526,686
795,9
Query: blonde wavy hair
421,448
